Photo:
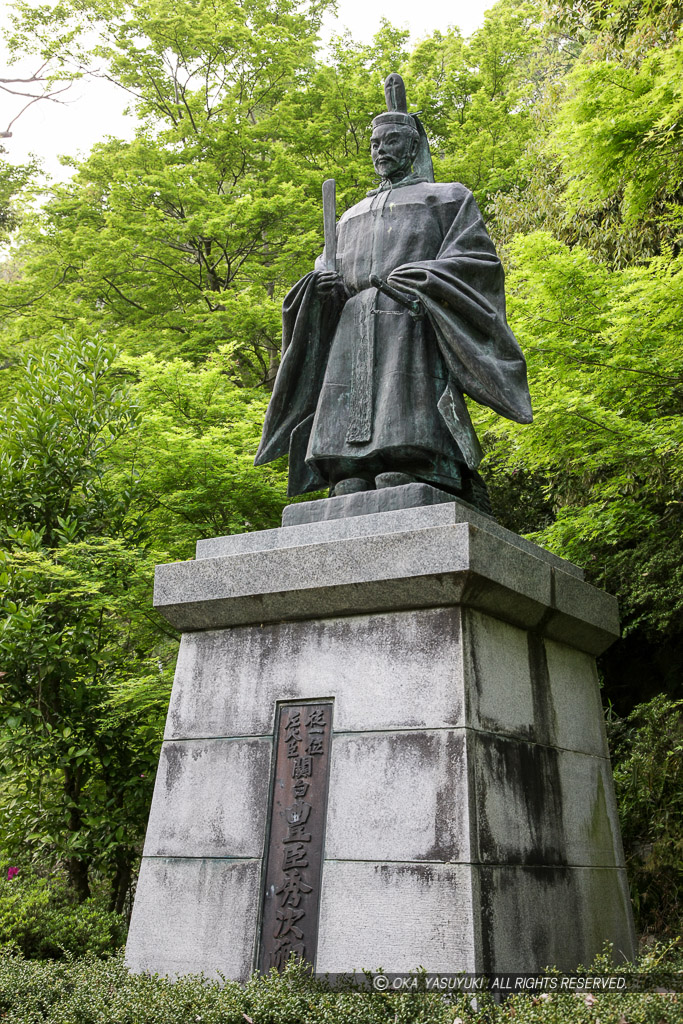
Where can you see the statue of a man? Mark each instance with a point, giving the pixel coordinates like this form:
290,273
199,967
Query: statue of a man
378,352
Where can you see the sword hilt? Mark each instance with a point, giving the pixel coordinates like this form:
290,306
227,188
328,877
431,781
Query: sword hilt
414,306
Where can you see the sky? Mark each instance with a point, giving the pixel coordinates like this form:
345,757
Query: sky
93,109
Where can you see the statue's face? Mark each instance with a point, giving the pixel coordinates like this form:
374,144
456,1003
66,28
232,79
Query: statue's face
393,150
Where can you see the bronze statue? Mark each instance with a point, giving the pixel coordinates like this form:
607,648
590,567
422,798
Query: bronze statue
403,314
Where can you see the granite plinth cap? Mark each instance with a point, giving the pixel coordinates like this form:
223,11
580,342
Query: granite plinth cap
435,556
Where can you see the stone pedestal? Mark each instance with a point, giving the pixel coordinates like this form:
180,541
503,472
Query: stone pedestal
471,823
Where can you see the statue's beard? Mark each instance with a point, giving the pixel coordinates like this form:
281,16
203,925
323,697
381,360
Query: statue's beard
395,173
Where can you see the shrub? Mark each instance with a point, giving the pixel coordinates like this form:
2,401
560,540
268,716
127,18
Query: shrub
92,991
40,918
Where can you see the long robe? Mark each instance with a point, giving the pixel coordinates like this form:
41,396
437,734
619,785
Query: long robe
363,379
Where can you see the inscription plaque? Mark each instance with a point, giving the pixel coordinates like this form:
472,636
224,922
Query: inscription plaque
291,896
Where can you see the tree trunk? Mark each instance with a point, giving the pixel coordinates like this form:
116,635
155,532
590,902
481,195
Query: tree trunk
120,884
77,866
78,876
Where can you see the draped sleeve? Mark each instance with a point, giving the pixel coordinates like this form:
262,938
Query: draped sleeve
308,326
462,290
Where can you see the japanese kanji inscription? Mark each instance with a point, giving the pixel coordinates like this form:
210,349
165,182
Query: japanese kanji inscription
297,829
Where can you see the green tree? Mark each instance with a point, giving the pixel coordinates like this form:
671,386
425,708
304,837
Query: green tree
12,180
189,464
607,382
477,96
605,170
619,133
77,763
101,459
326,122
181,239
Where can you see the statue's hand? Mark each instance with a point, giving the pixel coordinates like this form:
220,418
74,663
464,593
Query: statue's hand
328,282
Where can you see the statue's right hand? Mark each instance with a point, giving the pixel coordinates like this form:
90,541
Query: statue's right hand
327,281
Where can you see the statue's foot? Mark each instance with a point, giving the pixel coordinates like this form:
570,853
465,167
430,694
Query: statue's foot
394,479
350,486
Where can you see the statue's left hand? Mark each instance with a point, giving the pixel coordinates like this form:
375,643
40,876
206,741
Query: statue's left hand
396,289
403,281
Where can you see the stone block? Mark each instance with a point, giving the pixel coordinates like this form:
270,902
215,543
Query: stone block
398,796
524,686
498,675
345,577
541,805
574,604
195,916
537,917
363,503
396,916
410,568
424,518
385,672
574,692
210,799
